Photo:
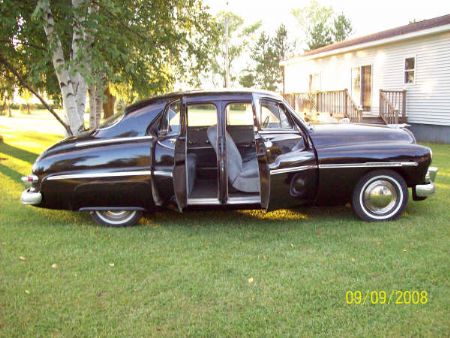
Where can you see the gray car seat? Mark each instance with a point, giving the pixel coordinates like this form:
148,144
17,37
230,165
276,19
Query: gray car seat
243,175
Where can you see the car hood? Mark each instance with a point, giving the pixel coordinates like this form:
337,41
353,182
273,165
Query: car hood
335,135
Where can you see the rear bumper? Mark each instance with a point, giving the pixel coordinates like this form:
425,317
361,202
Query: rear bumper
31,197
425,190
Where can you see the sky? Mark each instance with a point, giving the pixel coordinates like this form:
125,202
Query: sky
366,16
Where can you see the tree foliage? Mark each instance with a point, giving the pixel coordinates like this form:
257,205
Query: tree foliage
321,24
142,48
231,46
266,54
342,27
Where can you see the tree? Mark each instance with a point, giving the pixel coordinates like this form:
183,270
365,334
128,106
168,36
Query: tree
266,54
67,48
342,27
321,25
235,37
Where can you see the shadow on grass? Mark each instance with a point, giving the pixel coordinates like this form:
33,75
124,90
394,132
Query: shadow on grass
243,218
19,153
12,174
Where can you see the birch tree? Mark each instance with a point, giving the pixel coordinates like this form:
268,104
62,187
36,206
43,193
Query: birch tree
68,48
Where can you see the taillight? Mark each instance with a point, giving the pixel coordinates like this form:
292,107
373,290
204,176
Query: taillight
30,179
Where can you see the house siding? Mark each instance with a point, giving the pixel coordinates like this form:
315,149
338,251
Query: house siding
427,100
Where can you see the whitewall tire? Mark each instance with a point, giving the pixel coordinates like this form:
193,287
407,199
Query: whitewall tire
116,218
380,195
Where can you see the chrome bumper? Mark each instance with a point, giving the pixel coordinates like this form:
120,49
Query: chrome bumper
31,197
425,190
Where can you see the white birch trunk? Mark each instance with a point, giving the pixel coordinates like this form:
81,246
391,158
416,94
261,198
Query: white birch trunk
78,81
64,79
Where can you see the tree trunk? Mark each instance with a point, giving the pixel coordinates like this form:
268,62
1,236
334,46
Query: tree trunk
92,107
98,106
9,110
108,105
62,73
78,81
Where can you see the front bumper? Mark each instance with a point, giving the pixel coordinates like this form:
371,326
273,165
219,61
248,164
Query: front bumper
31,197
425,190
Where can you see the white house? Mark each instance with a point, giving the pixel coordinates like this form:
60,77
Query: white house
398,75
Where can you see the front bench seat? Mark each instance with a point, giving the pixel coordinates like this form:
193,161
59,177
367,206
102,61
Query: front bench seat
243,175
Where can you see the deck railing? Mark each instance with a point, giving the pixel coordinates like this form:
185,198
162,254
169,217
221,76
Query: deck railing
393,106
337,103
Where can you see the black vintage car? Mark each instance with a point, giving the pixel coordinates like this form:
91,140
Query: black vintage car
240,149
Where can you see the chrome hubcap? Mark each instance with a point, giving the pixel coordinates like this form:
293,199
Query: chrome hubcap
380,197
116,217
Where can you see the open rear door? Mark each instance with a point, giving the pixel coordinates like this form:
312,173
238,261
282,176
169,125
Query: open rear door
179,168
261,153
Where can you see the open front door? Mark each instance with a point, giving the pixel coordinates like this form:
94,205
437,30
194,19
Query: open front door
261,154
179,167
287,162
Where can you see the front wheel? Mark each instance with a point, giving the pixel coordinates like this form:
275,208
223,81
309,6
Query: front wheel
380,195
116,218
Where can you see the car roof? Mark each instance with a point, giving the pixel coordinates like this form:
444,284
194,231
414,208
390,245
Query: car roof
190,93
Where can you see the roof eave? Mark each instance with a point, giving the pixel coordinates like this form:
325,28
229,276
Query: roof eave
369,44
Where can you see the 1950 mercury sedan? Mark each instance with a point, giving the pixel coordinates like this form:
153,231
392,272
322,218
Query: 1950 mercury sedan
240,149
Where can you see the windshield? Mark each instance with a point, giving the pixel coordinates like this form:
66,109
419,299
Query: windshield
112,120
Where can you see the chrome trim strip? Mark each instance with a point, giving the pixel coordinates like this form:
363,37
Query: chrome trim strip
112,140
368,165
166,146
162,173
292,169
244,200
100,175
202,201
279,131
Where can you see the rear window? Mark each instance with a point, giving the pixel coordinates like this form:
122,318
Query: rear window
239,114
201,115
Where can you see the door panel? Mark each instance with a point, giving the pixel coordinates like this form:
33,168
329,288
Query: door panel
288,163
163,153
179,168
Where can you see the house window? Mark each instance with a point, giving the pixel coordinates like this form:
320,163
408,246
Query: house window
410,69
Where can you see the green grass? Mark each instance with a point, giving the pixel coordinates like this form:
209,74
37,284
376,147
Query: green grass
188,274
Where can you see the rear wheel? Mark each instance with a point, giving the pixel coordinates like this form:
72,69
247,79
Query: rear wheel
116,218
380,195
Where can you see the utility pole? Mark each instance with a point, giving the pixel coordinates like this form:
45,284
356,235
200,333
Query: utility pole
227,60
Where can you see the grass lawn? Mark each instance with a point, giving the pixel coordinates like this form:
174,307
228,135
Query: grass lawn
227,273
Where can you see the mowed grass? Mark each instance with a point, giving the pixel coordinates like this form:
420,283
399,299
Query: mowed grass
225,273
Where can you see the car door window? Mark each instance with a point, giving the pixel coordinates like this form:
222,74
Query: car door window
171,121
273,116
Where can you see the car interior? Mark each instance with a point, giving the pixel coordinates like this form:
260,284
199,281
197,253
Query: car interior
202,153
